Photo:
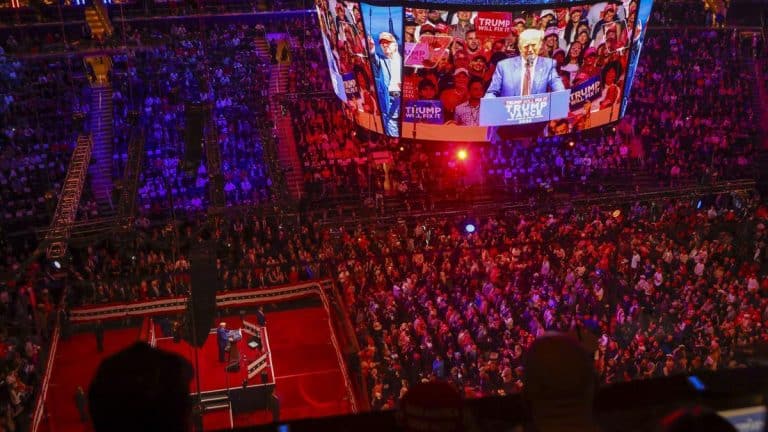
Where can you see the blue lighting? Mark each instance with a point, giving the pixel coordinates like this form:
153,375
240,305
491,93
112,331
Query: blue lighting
470,228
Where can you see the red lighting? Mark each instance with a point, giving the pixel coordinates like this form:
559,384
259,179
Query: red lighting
462,154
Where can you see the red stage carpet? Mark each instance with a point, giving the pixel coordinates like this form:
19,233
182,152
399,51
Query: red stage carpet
212,373
75,364
309,381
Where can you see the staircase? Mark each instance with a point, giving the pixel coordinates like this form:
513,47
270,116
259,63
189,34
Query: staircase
215,400
278,80
102,131
98,30
262,47
98,21
286,142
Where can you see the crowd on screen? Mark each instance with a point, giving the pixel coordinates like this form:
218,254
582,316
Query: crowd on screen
585,43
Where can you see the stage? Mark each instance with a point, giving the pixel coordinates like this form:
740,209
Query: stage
303,366
224,393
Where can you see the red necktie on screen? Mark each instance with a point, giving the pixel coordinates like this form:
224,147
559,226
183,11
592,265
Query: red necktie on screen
527,81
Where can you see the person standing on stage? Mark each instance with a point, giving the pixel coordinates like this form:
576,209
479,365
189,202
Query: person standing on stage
261,319
222,338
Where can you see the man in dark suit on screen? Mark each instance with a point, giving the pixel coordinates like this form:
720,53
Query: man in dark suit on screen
526,74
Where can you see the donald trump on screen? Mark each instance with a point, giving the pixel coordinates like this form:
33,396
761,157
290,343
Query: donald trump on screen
526,74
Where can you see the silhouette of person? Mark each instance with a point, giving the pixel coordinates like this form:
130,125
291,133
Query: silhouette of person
141,389
560,384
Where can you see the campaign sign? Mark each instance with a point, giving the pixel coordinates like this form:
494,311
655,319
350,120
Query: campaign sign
589,90
350,85
409,88
424,111
416,53
517,110
428,51
493,24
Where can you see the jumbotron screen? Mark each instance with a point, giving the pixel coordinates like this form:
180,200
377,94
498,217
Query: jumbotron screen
453,73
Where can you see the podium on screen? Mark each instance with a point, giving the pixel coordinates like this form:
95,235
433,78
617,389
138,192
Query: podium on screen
518,110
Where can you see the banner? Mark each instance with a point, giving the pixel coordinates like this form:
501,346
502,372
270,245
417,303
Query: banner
517,110
350,85
179,304
424,111
250,328
589,90
415,53
409,89
428,52
257,366
495,25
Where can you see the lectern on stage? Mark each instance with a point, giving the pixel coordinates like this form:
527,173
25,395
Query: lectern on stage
233,339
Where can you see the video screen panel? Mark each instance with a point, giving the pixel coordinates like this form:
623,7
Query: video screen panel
346,47
384,25
466,75
457,59
638,15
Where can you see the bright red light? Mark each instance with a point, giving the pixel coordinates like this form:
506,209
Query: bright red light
462,154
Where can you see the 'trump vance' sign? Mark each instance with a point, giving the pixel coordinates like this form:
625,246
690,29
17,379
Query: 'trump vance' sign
517,110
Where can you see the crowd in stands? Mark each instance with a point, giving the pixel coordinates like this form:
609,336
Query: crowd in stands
37,136
219,67
667,288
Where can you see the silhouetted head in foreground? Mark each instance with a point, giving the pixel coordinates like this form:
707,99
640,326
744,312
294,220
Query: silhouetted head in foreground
695,419
141,389
560,384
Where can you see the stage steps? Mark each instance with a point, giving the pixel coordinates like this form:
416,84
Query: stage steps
215,400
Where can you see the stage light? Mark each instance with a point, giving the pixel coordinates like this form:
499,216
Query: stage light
402,148
698,205
469,228
571,143
57,265
462,154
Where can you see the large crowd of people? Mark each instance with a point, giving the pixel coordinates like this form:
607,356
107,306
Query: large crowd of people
667,288
217,70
